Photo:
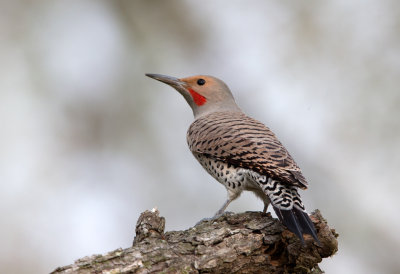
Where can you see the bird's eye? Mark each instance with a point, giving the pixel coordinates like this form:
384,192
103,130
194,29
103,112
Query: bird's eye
201,82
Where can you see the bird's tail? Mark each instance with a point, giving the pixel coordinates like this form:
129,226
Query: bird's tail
298,222
290,210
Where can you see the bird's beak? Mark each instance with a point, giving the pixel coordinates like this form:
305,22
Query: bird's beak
172,81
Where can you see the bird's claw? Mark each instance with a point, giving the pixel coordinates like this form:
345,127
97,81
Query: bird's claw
216,216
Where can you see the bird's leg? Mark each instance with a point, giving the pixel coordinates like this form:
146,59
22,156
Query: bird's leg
222,209
231,197
266,204
219,212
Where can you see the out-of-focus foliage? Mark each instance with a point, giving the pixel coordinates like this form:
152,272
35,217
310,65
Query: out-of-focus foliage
88,142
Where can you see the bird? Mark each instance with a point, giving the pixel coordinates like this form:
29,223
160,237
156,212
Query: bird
240,152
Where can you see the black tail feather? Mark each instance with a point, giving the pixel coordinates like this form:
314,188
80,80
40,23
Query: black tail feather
290,221
298,222
306,224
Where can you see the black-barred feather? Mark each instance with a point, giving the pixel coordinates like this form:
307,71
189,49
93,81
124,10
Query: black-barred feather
235,138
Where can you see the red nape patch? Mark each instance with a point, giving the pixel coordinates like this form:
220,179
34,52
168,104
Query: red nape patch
197,98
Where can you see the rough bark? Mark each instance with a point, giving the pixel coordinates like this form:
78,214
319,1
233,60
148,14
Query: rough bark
250,242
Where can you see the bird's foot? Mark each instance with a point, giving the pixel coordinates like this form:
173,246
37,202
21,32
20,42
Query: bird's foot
216,216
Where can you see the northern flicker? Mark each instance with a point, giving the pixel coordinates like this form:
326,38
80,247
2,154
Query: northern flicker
240,152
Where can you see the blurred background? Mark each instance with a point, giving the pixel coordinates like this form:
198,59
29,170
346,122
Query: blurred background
88,142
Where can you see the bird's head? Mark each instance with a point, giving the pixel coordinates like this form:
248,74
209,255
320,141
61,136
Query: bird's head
205,94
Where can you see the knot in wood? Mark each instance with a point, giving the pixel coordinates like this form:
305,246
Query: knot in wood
149,225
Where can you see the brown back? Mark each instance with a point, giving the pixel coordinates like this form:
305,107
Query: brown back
244,142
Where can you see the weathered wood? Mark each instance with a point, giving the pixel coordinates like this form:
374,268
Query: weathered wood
250,242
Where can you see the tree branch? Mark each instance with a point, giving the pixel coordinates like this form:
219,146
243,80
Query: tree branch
250,242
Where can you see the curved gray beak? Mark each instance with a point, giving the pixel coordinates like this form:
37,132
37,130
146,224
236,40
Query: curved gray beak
172,81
